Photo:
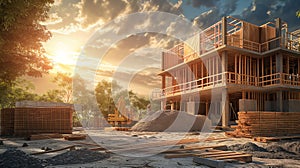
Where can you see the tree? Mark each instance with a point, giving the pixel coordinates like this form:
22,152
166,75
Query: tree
18,91
64,92
104,97
21,38
83,97
107,98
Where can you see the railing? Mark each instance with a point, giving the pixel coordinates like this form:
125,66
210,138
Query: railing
236,41
229,78
291,44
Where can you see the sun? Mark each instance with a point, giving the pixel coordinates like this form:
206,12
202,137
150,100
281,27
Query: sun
63,54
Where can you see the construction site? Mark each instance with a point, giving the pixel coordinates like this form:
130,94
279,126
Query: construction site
229,97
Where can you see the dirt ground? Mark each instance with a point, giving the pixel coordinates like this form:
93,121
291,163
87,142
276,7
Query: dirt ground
276,154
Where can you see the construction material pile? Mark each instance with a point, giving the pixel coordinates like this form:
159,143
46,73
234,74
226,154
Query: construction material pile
254,123
289,150
24,121
14,158
172,121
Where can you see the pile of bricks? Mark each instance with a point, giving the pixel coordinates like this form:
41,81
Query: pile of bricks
24,121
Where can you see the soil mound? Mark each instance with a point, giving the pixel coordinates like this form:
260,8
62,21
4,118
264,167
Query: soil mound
170,121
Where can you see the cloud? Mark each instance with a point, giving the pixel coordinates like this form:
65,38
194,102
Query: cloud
91,12
199,3
53,19
215,13
260,12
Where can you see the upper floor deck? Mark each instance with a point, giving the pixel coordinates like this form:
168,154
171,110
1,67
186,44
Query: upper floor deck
232,32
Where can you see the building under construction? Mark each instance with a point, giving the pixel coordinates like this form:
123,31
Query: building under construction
234,66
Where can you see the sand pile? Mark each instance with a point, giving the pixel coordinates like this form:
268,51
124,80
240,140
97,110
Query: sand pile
172,121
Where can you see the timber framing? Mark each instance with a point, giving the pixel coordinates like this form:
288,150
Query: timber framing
246,66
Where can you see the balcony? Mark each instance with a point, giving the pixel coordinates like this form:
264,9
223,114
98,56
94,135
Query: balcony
210,82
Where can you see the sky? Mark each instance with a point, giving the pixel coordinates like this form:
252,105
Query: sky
106,39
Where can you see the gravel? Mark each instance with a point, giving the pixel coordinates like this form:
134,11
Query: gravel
14,158
80,156
288,150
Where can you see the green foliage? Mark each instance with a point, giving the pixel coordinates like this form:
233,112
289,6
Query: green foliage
298,13
63,93
104,97
17,91
21,38
107,100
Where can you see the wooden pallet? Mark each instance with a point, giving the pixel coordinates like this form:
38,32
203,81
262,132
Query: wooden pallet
272,139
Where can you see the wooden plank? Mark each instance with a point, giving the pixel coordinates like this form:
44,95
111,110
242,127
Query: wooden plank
272,139
245,157
44,136
216,155
209,162
88,144
98,149
196,148
72,147
74,137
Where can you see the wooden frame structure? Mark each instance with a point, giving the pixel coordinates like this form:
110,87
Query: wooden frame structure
250,67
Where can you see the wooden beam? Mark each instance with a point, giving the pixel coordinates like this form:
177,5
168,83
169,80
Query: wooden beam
224,30
195,148
72,147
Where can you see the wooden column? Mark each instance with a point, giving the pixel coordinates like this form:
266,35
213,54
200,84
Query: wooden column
206,107
163,81
224,60
172,106
225,108
279,69
224,30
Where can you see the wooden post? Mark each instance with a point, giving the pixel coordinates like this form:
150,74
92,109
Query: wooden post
163,82
206,108
279,66
278,26
224,30
224,66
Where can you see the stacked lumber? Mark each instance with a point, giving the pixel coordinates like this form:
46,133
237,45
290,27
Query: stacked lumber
273,139
255,123
7,121
214,156
36,120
